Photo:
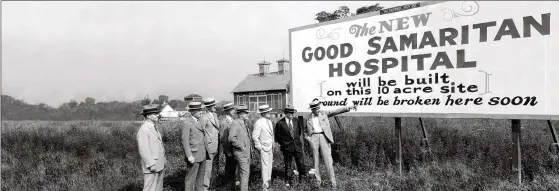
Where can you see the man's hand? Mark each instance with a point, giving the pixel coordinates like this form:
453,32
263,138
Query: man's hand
191,160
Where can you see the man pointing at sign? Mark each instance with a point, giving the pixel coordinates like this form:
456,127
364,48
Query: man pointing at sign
321,137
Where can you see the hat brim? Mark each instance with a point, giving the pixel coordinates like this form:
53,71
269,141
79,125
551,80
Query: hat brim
315,107
209,105
151,112
266,111
228,109
290,111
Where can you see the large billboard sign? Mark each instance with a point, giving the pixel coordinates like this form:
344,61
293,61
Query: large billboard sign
433,59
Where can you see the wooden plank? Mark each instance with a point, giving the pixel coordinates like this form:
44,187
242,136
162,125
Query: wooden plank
300,122
517,157
553,134
338,123
398,125
425,140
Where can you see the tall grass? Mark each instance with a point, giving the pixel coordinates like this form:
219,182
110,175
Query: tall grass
466,154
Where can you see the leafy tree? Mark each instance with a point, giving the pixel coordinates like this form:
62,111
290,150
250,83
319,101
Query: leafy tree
155,101
89,101
146,101
163,99
174,103
367,9
344,12
72,104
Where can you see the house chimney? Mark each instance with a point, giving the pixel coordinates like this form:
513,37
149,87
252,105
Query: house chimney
264,68
283,65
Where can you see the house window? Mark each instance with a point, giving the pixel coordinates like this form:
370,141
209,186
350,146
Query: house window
255,101
280,101
262,100
241,100
275,101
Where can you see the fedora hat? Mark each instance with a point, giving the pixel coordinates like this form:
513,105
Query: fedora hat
315,104
208,102
242,109
264,109
194,106
228,106
289,109
150,109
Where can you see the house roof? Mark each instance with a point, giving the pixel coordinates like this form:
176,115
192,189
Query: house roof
264,63
193,96
283,60
255,82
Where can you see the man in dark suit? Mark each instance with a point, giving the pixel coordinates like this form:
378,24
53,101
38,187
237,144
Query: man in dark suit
231,172
289,134
195,148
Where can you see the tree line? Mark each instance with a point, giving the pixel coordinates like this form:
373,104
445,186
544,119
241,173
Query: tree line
88,109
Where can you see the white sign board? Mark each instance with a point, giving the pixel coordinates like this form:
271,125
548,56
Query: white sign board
486,59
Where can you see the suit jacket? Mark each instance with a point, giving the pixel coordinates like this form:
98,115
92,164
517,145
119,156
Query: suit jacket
225,126
239,137
151,147
263,134
211,127
287,140
324,123
194,140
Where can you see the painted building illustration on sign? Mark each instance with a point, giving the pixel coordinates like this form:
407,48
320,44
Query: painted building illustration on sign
265,87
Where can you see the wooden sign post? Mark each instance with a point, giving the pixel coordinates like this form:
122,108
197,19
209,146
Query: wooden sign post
517,157
398,125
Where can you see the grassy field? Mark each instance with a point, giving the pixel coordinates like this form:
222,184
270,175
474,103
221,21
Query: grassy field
467,154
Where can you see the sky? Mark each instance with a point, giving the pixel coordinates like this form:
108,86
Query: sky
53,52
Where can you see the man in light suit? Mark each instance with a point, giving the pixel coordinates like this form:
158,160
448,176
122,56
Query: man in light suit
289,135
263,136
225,125
194,144
210,124
321,136
151,149
241,144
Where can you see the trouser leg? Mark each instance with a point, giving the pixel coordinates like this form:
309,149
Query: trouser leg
191,175
299,161
326,151
150,181
244,171
267,161
200,176
208,174
316,148
287,158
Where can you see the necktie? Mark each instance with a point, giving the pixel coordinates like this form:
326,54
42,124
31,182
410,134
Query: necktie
290,126
156,130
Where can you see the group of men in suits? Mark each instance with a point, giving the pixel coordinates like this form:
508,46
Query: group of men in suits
202,133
